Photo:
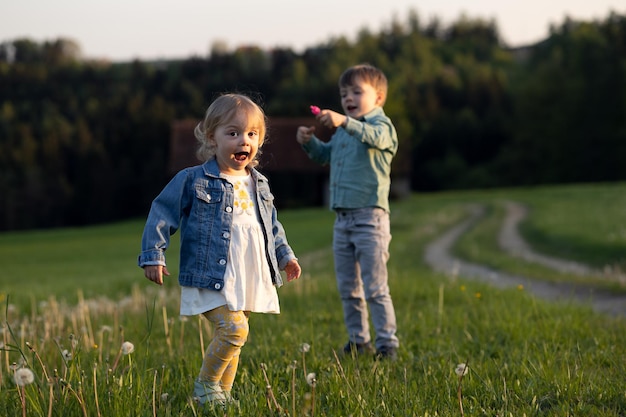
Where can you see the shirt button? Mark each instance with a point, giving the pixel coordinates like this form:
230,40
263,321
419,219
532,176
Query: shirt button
226,235
222,261
217,286
208,196
229,209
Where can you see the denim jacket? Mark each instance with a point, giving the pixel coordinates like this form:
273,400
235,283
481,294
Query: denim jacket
200,203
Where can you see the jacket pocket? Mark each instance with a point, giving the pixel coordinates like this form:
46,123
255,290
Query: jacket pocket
210,195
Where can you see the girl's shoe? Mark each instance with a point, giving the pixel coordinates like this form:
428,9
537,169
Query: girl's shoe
208,392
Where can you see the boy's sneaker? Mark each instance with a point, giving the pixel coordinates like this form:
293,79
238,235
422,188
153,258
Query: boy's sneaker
208,392
358,348
389,353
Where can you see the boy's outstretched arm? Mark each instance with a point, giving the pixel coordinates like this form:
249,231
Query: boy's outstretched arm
304,134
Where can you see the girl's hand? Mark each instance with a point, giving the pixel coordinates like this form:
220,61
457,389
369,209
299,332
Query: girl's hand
293,270
304,134
155,273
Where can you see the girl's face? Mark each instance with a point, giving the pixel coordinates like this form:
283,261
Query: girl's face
359,99
237,144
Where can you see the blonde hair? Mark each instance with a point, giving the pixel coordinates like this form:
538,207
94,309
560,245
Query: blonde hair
221,111
366,73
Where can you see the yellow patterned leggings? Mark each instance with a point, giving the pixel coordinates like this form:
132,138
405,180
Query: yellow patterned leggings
222,356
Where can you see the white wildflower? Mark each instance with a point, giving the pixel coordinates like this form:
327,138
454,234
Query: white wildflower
310,379
67,355
127,348
24,376
461,369
305,347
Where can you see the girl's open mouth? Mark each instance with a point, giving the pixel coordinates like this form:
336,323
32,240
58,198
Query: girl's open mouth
241,156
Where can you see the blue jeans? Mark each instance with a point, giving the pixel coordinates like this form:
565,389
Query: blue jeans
361,249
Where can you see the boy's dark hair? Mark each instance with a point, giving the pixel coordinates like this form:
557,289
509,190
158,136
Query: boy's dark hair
368,74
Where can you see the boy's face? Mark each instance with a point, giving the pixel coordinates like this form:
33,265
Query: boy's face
359,98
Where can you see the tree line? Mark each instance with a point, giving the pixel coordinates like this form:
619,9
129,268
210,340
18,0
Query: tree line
84,141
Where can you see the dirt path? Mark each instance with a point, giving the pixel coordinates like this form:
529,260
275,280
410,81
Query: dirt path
512,242
438,256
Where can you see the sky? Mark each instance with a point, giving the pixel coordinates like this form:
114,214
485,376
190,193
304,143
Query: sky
122,30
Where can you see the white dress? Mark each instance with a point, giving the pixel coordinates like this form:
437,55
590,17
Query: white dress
247,282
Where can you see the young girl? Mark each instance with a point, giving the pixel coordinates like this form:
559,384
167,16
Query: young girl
231,244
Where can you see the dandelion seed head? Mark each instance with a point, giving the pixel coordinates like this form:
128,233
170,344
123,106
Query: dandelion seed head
67,355
461,369
127,348
24,376
311,379
305,347
164,396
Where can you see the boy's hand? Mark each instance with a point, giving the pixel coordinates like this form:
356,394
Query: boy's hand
331,119
304,134
293,270
155,273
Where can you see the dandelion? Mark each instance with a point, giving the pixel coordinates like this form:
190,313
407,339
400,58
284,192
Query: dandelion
310,397
304,348
73,341
24,376
127,348
461,369
106,329
67,355
310,379
520,287
164,396
478,295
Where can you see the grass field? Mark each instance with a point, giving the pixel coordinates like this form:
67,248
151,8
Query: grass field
71,297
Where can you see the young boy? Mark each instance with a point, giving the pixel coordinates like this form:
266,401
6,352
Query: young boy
360,153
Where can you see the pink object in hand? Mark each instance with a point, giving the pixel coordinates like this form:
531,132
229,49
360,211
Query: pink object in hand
315,110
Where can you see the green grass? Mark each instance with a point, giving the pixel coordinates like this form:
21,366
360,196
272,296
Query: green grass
80,290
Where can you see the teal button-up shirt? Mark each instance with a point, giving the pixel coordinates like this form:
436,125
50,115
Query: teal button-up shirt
360,157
